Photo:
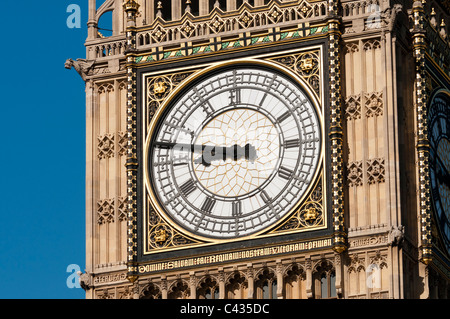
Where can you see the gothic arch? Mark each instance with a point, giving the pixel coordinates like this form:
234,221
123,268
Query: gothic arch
323,265
107,6
236,285
150,291
324,279
178,289
356,277
105,87
294,278
208,287
266,283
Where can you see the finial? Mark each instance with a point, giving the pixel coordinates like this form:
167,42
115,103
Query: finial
433,18
443,30
217,4
417,4
188,6
131,5
159,7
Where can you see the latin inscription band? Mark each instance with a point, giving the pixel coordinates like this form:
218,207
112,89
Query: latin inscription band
235,256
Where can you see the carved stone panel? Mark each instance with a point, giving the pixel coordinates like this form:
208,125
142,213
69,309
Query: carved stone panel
375,170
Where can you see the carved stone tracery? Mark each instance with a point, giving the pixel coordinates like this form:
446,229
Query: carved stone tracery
306,65
374,104
375,170
310,214
354,174
106,210
105,146
353,107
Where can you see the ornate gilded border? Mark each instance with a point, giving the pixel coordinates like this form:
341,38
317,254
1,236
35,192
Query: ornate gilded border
422,146
131,9
311,215
336,131
245,40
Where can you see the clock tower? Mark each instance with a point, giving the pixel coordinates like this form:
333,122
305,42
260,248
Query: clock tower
267,149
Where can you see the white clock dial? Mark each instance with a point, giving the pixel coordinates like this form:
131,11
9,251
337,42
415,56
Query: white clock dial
239,126
235,152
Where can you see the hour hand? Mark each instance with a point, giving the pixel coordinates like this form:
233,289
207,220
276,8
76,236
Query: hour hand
212,153
443,176
235,152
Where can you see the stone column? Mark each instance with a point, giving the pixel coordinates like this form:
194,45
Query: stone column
203,7
221,284
250,281
259,3
279,279
231,5
163,287
92,24
338,273
309,280
193,285
176,9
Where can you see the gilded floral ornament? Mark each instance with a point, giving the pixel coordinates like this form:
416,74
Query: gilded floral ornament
305,9
216,25
245,19
159,88
161,235
159,34
275,15
188,29
131,5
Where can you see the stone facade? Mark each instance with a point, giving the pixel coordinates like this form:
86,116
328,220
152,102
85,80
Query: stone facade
379,247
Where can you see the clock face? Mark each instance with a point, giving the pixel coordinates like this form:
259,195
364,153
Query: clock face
235,152
439,136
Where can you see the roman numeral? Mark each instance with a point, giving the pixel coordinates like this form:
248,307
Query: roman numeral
285,173
208,205
263,99
292,143
435,193
188,187
236,209
283,116
180,163
235,96
207,107
265,197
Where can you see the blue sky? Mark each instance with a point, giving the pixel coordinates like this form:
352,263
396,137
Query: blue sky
42,228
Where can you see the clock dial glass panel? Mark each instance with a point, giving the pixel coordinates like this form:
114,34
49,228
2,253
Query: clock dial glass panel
439,137
235,152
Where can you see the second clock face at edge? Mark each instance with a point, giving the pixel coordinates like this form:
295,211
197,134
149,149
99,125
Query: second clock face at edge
439,137
235,152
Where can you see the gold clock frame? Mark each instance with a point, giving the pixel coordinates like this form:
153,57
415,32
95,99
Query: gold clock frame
164,227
